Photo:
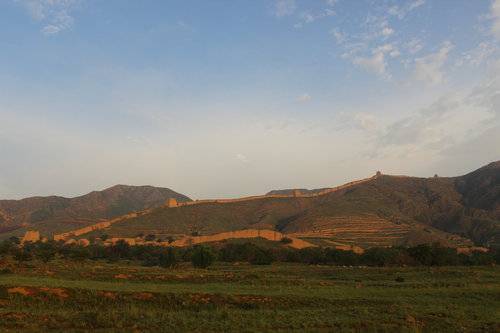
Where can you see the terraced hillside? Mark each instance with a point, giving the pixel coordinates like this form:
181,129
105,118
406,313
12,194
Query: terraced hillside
56,214
370,230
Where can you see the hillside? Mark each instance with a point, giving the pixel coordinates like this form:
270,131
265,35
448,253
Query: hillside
51,214
383,210
378,211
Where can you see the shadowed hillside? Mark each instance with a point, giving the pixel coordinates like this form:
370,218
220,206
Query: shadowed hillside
384,210
58,213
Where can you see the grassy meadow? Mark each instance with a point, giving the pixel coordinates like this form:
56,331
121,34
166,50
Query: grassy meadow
68,296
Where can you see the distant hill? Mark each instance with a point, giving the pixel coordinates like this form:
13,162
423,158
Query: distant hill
51,214
381,211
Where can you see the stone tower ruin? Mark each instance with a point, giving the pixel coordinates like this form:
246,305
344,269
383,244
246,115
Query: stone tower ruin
172,202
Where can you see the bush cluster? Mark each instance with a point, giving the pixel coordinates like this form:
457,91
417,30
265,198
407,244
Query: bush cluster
202,256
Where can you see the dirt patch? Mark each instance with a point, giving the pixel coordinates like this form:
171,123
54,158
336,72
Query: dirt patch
253,299
13,316
143,296
24,291
107,294
59,292
122,276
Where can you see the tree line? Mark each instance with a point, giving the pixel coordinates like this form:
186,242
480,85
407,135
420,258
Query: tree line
203,256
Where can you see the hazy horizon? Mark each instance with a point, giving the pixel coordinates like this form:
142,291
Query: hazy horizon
240,98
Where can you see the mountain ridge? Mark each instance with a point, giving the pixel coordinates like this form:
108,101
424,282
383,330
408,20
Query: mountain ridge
85,209
380,210
371,212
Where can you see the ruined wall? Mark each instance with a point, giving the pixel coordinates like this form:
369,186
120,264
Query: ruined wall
172,203
31,236
295,194
93,227
193,240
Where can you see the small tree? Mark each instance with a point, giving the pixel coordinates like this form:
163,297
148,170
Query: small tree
150,238
46,251
202,257
21,255
168,259
261,257
15,240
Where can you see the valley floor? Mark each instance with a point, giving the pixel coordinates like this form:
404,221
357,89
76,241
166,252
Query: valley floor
122,297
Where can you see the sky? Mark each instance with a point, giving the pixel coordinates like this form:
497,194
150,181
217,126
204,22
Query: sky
231,98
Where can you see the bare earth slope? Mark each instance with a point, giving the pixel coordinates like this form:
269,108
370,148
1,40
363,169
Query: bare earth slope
51,214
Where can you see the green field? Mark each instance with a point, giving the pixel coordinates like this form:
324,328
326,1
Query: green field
122,297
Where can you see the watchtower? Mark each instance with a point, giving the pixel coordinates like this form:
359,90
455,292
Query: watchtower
172,202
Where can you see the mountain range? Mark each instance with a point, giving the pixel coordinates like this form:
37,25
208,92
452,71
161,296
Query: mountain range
382,210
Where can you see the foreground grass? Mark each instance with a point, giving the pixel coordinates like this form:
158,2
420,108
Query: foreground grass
122,297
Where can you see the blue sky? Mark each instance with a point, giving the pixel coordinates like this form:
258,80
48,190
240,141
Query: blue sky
231,98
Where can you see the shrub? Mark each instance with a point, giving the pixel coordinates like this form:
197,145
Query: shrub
261,257
150,238
202,257
341,257
422,254
150,260
286,240
168,259
120,250
15,240
22,255
312,255
45,251
3,292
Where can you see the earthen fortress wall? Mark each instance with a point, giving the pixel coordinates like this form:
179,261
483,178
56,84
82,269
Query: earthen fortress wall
172,203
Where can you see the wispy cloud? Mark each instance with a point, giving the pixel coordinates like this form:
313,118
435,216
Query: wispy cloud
284,8
304,98
242,158
401,11
478,55
430,68
414,45
451,121
54,15
376,63
340,36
